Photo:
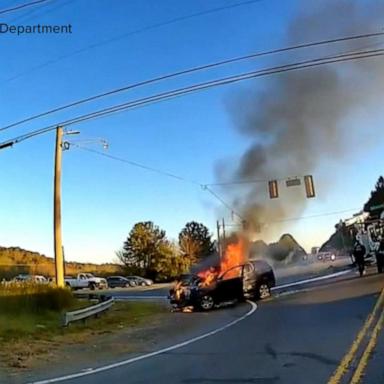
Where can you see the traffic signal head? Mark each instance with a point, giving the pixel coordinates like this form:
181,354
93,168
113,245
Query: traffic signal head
309,186
273,189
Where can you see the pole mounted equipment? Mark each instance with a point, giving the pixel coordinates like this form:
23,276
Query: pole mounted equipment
6,145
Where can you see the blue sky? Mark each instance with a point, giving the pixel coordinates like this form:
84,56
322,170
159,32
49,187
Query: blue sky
102,198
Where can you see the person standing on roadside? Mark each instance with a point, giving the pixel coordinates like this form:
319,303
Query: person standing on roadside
359,255
380,256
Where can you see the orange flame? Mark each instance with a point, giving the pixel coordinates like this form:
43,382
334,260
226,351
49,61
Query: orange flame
234,256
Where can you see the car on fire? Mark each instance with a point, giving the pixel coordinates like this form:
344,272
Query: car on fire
252,280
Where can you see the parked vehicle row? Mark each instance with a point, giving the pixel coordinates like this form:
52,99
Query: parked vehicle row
31,279
89,281
86,280
128,281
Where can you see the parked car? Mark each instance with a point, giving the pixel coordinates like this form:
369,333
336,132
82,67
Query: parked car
32,279
86,280
132,281
120,282
326,256
252,280
140,280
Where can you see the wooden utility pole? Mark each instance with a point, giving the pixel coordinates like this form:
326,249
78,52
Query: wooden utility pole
223,231
218,238
58,244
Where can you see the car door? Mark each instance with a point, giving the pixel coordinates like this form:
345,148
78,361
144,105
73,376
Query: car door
230,285
249,278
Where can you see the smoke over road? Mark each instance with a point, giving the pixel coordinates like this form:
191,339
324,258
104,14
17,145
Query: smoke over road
298,122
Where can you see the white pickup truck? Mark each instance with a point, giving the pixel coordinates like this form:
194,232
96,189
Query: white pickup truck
86,280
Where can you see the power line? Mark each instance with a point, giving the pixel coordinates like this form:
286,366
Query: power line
324,214
314,216
40,11
194,88
136,164
21,6
219,198
188,71
186,90
131,33
251,181
205,187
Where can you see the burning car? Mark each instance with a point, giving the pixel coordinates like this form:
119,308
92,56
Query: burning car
209,289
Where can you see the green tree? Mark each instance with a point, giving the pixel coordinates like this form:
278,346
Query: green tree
195,242
377,198
142,247
170,263
147,252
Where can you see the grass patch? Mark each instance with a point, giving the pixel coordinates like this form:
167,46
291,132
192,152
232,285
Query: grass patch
26,298
121,315
48,324
31,318
27,337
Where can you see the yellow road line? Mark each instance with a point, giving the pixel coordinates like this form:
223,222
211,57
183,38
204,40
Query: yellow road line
344,365
367,353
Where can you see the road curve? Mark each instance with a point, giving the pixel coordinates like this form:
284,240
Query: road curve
300,338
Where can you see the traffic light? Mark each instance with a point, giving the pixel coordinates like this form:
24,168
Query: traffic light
309,187
273,189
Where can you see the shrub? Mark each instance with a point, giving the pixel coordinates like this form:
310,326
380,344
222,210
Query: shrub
19,297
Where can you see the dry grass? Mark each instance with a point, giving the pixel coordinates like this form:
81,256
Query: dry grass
28,338
27,297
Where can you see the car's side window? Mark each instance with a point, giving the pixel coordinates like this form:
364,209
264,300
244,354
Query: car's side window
259,267
248,269
232,273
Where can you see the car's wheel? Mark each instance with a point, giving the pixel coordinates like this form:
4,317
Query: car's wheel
264,291
143,284
92,286
206,303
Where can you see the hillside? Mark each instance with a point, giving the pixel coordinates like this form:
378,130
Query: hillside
337,242
15,260
258,249
286,250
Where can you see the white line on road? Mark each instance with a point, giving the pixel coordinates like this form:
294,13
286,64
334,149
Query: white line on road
151,354
312,280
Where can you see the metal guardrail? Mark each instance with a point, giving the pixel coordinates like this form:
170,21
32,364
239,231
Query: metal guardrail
84,313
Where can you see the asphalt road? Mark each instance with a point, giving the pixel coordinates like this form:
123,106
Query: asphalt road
291,338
